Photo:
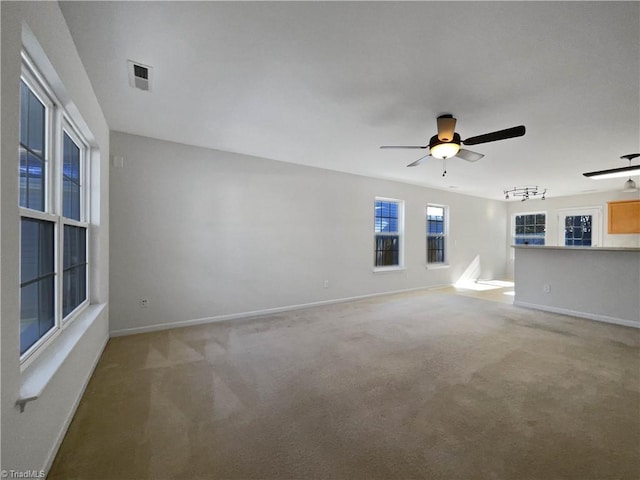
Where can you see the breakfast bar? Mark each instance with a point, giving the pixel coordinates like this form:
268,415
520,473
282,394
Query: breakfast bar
597,283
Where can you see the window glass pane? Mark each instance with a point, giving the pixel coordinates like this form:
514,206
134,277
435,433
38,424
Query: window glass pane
435,211
70,199
74,288
24,113
31,157
577,230
35,183
435,249
46,302
23,177
36,280
75,251
71,179
386,217
36,249
529,229
387,251
71,164
29,250
36,125
29,311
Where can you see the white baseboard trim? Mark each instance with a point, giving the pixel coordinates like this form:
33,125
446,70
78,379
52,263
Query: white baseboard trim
573,313
258,313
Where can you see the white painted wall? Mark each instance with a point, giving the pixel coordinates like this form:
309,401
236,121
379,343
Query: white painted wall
30,439
206,234
552,207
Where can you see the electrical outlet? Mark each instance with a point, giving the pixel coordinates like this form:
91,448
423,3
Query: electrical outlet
326,284
546,288
144,302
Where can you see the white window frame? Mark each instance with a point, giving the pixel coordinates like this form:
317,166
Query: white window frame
399,234
72,131
57,121
445,235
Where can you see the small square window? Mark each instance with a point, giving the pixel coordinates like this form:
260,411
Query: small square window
529,229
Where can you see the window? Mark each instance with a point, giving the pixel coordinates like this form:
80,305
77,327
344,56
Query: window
577,231
436,234
580,227
53,168
388,232
74,273
529,229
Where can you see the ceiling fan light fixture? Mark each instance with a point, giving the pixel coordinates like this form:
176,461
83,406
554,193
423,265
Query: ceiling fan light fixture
444,150
446,143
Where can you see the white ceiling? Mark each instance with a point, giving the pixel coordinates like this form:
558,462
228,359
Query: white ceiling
325,84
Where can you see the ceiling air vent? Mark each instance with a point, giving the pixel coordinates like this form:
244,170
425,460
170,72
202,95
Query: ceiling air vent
140,75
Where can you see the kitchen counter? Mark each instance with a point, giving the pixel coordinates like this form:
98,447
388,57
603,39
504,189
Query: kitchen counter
599,283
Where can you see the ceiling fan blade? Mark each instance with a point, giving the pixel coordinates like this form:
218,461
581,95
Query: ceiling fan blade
468,155
403,146
494,136
446,127
419,161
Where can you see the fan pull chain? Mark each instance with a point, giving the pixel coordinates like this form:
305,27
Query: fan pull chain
444,166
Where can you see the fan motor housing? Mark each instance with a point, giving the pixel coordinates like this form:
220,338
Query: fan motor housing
436,141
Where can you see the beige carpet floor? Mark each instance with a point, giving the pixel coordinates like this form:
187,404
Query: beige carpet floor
428,384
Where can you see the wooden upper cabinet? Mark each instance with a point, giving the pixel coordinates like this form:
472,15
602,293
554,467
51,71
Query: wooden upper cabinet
624,216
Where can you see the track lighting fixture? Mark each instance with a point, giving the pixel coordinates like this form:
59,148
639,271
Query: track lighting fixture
525,193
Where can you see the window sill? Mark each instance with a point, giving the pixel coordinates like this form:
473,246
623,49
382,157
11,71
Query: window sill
38,375
388,269
436,266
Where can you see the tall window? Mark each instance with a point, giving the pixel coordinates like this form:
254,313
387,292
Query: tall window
436,234
74,274
529,229
53,215
388,232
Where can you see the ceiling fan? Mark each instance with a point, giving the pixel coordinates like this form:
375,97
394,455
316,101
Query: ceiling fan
446,143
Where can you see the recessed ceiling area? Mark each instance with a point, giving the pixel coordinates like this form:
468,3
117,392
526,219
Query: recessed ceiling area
325,84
